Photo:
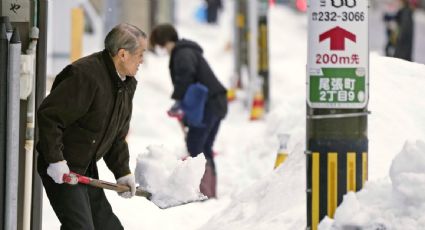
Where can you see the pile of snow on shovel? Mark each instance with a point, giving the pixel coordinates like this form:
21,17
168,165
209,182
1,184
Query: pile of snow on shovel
170,180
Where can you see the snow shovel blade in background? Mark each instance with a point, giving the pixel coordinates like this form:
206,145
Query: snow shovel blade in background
74,178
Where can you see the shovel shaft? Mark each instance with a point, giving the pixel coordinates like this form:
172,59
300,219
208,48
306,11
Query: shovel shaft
74,178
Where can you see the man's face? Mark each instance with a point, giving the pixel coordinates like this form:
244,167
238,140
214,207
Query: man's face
131,62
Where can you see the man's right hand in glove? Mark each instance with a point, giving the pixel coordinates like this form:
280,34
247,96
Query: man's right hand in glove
130,181
57,170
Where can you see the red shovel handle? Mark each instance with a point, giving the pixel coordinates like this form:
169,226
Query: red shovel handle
73,179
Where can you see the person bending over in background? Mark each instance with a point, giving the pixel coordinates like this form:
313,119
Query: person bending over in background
85,118
188,66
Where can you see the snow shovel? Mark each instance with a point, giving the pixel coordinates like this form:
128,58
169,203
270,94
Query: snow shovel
74,178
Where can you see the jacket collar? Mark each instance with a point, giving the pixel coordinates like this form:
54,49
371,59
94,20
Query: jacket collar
116,80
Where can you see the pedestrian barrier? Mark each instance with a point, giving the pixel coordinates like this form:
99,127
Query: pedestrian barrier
231,94
257,109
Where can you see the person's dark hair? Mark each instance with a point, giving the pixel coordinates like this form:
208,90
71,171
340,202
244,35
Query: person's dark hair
123,36
162,34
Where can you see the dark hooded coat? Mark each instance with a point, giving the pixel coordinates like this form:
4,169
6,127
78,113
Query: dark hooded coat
188,66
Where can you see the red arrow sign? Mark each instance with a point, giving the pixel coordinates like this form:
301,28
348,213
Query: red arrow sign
337,35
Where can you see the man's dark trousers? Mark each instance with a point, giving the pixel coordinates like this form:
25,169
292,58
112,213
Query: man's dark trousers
81,206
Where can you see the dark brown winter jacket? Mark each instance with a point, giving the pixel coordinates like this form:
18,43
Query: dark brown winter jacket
86,117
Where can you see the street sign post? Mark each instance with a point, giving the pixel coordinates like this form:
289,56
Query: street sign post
337,97
338,61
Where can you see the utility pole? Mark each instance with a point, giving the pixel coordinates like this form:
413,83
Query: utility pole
258,59
337,98
263,45
240,44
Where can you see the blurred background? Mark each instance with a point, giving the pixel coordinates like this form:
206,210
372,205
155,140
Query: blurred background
54,33
99,16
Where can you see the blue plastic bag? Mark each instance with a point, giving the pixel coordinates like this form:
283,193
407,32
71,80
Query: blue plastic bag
201,13
193,104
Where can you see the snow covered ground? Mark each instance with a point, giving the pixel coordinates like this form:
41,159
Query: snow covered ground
251,195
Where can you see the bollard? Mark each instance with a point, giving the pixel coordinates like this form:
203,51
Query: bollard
257,108
231,94
282,154
234,85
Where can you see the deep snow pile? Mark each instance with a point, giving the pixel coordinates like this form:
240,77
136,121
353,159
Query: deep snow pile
398,203
274,202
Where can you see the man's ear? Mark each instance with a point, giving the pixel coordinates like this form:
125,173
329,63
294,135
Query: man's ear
121,54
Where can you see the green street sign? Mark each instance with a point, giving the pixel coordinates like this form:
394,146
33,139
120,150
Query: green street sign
337,87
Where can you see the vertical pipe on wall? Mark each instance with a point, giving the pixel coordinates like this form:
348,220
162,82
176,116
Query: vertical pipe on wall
29,136
12,139
40,87
4,46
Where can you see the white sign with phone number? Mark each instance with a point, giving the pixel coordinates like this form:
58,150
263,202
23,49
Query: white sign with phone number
338,42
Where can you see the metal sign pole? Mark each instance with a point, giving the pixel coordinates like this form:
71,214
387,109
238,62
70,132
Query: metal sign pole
337,97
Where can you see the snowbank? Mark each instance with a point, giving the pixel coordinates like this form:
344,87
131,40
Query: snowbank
398,203
271,203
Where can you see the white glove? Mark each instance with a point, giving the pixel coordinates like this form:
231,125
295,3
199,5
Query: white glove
129,181
56,171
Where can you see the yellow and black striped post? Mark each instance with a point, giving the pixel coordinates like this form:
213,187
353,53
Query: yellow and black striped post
334,167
